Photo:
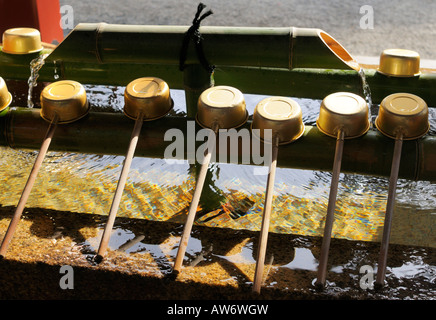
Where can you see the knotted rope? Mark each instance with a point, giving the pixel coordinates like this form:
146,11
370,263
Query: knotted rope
194,34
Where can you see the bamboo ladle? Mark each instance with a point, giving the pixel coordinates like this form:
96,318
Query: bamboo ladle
146,99
402,116
61,102
282,117
220,107
342,115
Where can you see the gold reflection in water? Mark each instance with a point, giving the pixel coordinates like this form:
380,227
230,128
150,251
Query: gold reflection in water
86,183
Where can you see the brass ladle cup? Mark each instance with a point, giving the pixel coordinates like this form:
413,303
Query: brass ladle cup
5,95
145,99
61,102
283,116
220,107
21,41
342,115
402,116
399,63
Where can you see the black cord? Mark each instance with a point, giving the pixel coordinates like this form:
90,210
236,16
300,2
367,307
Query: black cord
194,34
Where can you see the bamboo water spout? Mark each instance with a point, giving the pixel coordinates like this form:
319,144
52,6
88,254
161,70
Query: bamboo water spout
287,47
286,61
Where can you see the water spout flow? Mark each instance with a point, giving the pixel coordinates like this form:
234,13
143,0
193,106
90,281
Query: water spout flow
35,65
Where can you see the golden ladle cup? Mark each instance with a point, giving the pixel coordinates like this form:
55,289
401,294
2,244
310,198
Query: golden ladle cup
402,116
5,95
61,102
220,107
283,117
145,99
21,41
342,115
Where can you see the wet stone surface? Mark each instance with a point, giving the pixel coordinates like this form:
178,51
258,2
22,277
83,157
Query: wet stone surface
219,263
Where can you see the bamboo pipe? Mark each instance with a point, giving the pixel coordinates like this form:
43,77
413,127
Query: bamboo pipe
287,47
318,83
28,187
108,133
298,82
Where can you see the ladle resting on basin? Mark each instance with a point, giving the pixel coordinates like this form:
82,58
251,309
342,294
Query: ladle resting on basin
342,115
402,116
21,41
282,117
145,99
61,102
220,107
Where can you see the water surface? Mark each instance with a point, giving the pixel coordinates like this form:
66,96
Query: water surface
157,190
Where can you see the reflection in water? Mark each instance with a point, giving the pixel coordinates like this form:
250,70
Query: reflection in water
159,191
292,261
303,260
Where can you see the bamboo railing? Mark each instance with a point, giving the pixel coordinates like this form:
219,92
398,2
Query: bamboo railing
108,133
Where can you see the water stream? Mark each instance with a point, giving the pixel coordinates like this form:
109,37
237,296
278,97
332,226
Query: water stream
35,65
367,94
